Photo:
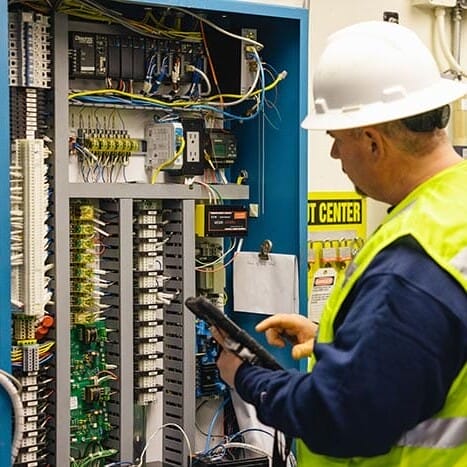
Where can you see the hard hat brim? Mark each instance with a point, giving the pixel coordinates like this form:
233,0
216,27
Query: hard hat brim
437,95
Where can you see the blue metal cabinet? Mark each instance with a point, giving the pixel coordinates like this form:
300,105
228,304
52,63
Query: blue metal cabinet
5,326
275,157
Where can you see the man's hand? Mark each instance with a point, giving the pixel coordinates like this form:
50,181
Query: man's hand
227,361
293,328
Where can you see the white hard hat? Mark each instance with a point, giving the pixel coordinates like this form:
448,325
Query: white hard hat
375,72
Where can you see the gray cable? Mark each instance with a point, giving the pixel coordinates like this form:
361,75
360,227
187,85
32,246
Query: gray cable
18,410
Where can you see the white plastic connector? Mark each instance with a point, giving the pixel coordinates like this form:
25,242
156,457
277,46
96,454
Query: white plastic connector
31,154
434,3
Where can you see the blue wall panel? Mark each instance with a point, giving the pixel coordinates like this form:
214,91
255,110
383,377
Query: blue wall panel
275,158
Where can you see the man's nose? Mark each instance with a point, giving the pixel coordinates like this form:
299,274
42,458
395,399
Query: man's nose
334,151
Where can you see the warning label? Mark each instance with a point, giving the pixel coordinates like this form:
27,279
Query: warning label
323,283
327,280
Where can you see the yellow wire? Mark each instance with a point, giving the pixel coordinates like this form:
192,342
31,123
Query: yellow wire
169,161
131,96
75,95
86,11
270,86
44,348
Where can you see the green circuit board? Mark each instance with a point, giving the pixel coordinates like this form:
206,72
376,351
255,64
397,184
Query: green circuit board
90,384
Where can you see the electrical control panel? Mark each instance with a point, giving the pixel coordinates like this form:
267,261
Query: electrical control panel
139,134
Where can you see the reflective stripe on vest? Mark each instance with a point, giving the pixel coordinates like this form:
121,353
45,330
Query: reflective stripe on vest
437,433
460,262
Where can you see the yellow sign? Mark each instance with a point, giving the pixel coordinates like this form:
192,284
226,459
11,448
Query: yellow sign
336,215
336,230
330,211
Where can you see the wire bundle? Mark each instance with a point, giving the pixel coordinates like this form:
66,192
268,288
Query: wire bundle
13,388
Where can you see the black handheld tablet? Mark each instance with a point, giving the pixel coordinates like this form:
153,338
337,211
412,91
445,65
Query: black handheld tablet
238,340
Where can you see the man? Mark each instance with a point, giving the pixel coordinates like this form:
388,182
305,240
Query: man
388,380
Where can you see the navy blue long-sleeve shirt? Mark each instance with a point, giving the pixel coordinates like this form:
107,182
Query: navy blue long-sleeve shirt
400,341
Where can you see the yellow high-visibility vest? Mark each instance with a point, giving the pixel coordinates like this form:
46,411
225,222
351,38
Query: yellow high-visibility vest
435,215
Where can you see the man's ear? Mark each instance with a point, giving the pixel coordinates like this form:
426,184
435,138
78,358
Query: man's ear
374,141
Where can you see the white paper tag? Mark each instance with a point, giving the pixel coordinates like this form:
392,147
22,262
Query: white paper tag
323,282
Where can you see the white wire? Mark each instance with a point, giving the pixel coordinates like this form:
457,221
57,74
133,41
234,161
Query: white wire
206,80
166,425
211,192
292,460
440,13
223,177
13,379
218,28
252,87
217,260
251,447
13,392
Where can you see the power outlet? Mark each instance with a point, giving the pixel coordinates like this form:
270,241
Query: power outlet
193,146
193,154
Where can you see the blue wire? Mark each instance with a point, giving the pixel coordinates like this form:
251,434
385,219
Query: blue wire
213,422
163,73
246,430
227,114
268,65
151,66
117,100
196,78
46,359
113,99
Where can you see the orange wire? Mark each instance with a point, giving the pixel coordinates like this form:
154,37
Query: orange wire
211,65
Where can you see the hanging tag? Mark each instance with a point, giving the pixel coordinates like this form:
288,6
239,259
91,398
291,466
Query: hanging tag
323,282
